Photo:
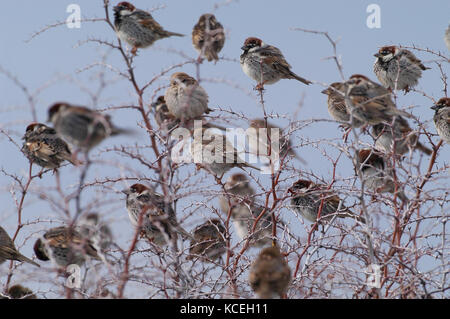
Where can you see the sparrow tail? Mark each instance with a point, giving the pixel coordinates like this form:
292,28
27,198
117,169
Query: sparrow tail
299,78
423,148
27,260
170,34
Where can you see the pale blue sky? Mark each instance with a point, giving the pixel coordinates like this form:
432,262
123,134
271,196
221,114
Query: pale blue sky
51,56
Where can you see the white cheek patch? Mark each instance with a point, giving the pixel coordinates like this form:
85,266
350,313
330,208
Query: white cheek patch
388,57
125,12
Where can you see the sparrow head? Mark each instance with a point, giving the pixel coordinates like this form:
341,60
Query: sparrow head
159,101
181,78
124,8
369,158
91,219
39,250
357,78
137,189
270,253
301,186
251,43
443,102
386,53
334,87
207,17
56,109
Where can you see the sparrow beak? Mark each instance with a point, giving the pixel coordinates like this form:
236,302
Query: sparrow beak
244,47
325,91
377,55
434,107
126,191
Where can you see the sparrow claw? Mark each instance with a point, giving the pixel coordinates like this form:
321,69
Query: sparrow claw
199,60
259,87
134,51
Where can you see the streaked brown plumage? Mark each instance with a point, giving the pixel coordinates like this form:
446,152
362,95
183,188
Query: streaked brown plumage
441,118
137,27
270,274
307,197
208,37
44,147
369,102
8,250
218,155
377,175
209,241
400,132
64,246
265,63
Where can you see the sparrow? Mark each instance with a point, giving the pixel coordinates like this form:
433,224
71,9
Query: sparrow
19,292
397,69
218,155
336,103
369,102
270,275
159,224
377,176
80,126
64,246
442,118
285,145
137,27
265,63
163,117
91,226
307,197
185,98
244,211
447,37
208,37
43,146
8,250
405,138
209,241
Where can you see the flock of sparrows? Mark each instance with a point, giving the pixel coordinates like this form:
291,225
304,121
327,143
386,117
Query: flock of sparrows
357,102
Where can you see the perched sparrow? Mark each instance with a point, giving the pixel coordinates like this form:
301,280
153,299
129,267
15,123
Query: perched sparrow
64,246
185,98
81,126
98,232
447,37
397,69
159,224
20,292
377,175
442,118
244,211
163,117
137,27
369,102
44,147
218,155
265,63
306,199
208,37
284,142
405,138
270,274
8,250
336,103
209,241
